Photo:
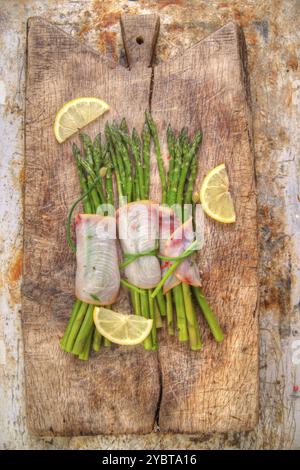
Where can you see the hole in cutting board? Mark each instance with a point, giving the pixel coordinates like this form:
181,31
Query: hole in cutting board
140,40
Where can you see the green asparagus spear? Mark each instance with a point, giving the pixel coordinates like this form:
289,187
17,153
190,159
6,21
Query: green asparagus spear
119,162
188,154
180,313
84,332
116,172
87,204
171,148
148,344
74,313
171,197
97,153
152,316
160,163
192,321
209,315
85,354
97,339
136,150
108,181
123,154
170,320
76,327
146,159
157,316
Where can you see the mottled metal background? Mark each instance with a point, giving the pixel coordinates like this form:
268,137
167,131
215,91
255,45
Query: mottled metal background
272,30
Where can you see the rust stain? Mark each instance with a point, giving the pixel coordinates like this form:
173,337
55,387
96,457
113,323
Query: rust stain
252,39
111,18
292,62
107,43
100,7
166,3
272,76
85,28
174,28
244,18
22,178
247,15
13,276
275,279
86,24
105,16
15,269
277,296
264,212
288,94
102,15
283,136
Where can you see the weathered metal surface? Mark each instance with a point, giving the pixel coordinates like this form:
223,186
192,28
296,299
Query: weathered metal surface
272,32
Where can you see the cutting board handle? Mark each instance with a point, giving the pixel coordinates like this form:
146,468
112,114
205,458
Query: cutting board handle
139,34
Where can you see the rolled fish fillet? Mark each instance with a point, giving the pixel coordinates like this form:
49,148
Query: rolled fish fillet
97,273
138,228
180,239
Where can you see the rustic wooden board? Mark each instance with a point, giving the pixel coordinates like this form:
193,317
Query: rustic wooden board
217,389
119,391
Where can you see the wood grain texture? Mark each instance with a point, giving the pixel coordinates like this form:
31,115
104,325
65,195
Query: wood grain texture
139,38
215,389
119,391
116,392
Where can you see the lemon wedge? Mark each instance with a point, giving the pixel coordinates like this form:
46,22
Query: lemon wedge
76,114
215,197
120,328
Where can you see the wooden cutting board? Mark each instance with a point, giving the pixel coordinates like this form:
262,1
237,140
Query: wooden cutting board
130,390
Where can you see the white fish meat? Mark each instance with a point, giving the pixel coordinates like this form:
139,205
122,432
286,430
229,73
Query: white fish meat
138,227
97,273
180,239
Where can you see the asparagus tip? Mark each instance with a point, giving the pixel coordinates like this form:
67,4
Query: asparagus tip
103,171
195,197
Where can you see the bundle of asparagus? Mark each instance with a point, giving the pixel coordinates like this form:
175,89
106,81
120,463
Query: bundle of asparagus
97,189
130,157
126,157
178,188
